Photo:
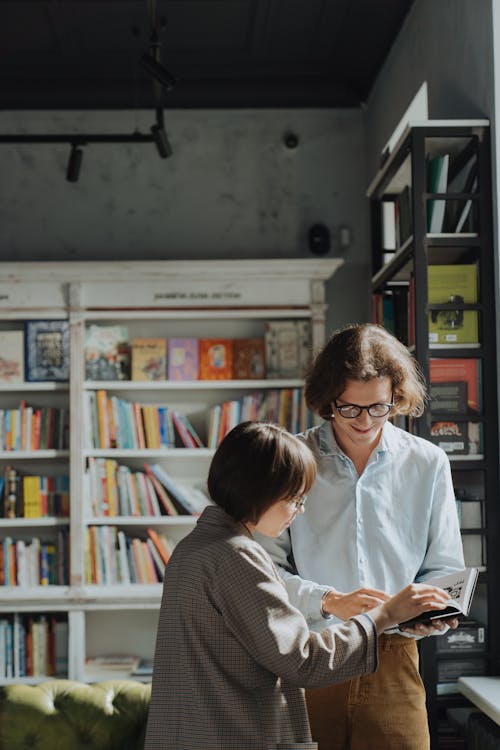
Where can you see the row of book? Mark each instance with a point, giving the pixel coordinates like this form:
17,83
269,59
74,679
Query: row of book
285,406
113,489
111,557
117,423
35,562
455,175
33,646
33,496
283,351
29,428
448,325
37,352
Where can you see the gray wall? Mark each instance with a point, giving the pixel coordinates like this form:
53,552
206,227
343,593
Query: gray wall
231,189
448,43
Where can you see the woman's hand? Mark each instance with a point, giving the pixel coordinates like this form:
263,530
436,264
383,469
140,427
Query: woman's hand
410,602
356,602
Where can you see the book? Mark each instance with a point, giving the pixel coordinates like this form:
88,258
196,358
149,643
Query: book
448,397
448,284
149,359
462,178
11,357
216,359
46,350
457,437
464,370
469,637
107,352
249,359
164,497
287,348
183,359
437,180
450,436
178,493
145,667
460,586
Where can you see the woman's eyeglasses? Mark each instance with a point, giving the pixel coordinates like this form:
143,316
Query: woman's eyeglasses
298,502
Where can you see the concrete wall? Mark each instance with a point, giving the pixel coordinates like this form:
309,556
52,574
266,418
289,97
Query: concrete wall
448,43
231,189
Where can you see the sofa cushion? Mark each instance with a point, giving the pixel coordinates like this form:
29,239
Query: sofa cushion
68,715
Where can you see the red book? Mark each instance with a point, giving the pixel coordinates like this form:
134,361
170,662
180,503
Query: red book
216,359
162,551
459,370
249,359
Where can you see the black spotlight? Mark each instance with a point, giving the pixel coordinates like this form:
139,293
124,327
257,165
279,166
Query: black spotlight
156,69
161,141
74,164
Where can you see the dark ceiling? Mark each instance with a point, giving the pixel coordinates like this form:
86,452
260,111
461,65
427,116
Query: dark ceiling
84,54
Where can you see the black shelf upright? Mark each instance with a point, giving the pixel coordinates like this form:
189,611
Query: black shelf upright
403,263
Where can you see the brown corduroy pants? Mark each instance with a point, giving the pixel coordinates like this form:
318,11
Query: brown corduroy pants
384,710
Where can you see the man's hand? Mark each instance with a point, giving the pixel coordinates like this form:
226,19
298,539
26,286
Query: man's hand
440,626
355,602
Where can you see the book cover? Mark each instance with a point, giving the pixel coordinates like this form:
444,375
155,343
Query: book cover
448,397
460,587
216,359
249,359
287,348
149,359
437,182
448,284
107,352
11,357
46,350
183,359
463,370
451,436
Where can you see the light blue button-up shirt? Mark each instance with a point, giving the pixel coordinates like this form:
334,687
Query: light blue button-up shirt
395,524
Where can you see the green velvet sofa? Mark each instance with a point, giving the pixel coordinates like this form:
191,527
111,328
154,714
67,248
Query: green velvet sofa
67,715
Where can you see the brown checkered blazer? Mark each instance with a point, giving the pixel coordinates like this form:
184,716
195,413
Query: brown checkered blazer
232,654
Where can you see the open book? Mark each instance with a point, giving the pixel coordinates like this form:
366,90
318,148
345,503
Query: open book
460,586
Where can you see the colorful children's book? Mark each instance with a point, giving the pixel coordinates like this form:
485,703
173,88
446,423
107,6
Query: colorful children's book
183,359
216,359
107,353
249,359
11,357
149,359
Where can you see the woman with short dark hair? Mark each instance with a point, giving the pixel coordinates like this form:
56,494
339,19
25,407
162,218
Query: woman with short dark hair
232,654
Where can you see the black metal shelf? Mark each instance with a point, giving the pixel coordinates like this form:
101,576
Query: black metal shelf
408,266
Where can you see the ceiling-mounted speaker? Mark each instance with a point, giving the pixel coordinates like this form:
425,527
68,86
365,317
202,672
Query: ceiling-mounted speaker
319,239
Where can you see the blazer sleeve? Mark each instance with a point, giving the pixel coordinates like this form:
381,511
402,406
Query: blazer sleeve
304,594
250,596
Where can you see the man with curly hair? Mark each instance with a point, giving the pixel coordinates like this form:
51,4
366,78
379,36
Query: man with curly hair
381,514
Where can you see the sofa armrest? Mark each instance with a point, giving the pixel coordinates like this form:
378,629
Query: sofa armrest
68,715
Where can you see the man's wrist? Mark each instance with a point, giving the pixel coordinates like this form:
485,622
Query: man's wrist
324,614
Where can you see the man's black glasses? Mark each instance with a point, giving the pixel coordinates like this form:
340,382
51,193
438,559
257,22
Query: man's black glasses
351,411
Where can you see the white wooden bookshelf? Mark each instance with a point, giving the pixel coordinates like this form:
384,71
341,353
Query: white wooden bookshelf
201,299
